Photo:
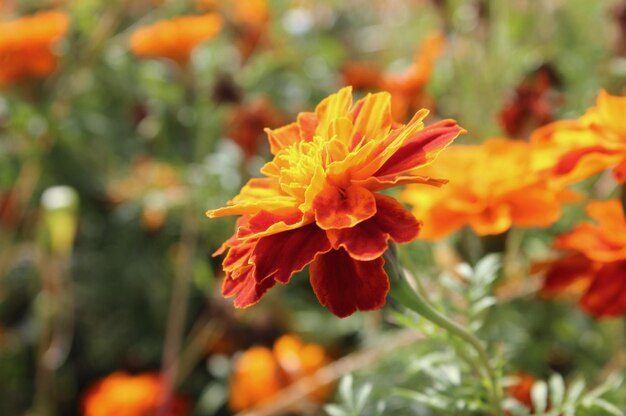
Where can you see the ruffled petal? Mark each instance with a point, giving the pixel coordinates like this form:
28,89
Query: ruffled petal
421,148
368,240
606,297
279,256
337,208
283,137
572,273
245,288
345,285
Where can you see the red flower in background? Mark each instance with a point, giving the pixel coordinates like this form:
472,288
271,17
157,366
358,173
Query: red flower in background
532,105
247,124
596,262
319,204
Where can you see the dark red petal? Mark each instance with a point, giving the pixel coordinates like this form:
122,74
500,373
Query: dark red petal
421,148
606,297
346,285
368,240
278,256
245,288
572,271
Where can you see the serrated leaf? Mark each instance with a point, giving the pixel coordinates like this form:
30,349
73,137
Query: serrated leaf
431,400
539,396
335,410
482,304
574,391
486,270
606,406
345,391
557,390
362,396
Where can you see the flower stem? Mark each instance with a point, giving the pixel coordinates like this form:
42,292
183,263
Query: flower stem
402,291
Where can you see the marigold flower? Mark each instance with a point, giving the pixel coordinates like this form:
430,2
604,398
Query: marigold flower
318,202
594,142
26,46
596,262
122,394
260,373
175,39
492,187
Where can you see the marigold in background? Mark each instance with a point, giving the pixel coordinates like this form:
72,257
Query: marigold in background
26,46
595,263
407,88
591,144
175,39
122,394
260,373
319,204
492,187
521,389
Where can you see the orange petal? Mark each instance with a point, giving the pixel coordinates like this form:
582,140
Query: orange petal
346,285
422,148
279,256
265,223
368,240
495,219
606,297
283,137
337,208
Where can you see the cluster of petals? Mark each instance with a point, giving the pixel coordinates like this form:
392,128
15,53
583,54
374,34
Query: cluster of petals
319,202
595,262
594,142
492,187
26,46
261,373
175,38
123,394
407,88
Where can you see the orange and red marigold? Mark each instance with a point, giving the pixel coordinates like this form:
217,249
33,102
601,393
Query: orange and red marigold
594,142
595,263
319,204
26,46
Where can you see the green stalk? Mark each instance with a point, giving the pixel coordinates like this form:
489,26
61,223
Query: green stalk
402,292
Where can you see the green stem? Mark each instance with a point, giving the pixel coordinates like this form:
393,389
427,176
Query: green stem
408,297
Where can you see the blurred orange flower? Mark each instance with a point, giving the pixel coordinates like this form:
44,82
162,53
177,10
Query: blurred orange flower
596,262
319,202
157,186
26,46
122,394
247,124
492,187
407,89
260,373
174,39
594,142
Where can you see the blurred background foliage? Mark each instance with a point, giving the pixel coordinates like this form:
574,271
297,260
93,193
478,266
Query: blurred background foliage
142,147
